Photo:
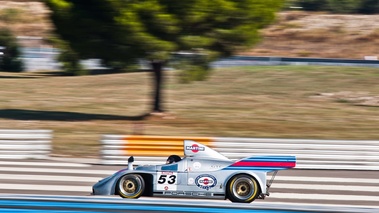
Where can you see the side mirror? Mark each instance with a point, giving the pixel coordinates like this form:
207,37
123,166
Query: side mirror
131,159
130,163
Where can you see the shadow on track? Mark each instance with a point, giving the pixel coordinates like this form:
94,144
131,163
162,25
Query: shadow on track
23,114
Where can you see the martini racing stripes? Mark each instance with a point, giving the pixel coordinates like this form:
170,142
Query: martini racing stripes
266,163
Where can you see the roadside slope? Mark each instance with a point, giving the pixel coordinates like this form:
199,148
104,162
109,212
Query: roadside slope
304,34
294,34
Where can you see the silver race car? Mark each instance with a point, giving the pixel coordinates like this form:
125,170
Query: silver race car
202,173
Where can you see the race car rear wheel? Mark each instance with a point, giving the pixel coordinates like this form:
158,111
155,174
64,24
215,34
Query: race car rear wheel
131,186
242,189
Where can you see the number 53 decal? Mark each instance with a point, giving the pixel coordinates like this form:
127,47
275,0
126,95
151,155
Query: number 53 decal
170,179
167,180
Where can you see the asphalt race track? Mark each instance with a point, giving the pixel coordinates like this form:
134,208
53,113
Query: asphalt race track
64,186
70,204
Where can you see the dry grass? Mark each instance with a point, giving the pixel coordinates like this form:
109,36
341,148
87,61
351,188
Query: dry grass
320,35
284,102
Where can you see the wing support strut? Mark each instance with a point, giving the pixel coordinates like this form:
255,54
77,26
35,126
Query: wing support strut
268,185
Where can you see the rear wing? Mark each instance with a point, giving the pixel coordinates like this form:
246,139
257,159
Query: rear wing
195,149
264,163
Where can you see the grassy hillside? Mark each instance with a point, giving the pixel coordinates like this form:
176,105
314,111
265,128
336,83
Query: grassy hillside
295,33
25,18
280,101
305,34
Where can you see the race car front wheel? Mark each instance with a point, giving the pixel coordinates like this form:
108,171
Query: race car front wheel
131,186
242,189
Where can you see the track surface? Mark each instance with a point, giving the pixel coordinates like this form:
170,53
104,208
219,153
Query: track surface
51,177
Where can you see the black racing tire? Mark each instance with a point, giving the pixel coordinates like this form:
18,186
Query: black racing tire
243,189
131,186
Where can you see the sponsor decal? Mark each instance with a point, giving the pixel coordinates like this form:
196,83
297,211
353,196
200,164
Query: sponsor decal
167,173
195,148
216,166
205,181
190,181
197,165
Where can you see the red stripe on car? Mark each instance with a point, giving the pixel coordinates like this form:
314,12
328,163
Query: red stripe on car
265,164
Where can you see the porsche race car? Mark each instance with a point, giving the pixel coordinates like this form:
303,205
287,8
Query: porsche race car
202,173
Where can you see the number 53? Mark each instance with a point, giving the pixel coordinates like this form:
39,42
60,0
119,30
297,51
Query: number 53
169,179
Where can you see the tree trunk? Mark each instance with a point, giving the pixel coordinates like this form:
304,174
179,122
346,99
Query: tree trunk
158,81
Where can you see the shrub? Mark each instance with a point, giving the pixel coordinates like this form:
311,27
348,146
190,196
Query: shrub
10,52
69,59
70,62
368,7
338,6
343,6
193,67
312,5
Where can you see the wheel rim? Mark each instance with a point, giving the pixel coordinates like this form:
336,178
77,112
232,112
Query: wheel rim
130,186
243,188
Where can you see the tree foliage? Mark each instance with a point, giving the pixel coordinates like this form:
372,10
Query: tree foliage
121,32
124,30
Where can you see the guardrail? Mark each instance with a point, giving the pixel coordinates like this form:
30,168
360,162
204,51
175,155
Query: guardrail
149,149
44,59
310,154
272,60
25,144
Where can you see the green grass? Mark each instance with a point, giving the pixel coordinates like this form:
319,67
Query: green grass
269,101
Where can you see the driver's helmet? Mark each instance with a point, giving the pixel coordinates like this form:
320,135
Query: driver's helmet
172,159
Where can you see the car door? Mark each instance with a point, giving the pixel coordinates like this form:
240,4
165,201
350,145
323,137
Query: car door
169,178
